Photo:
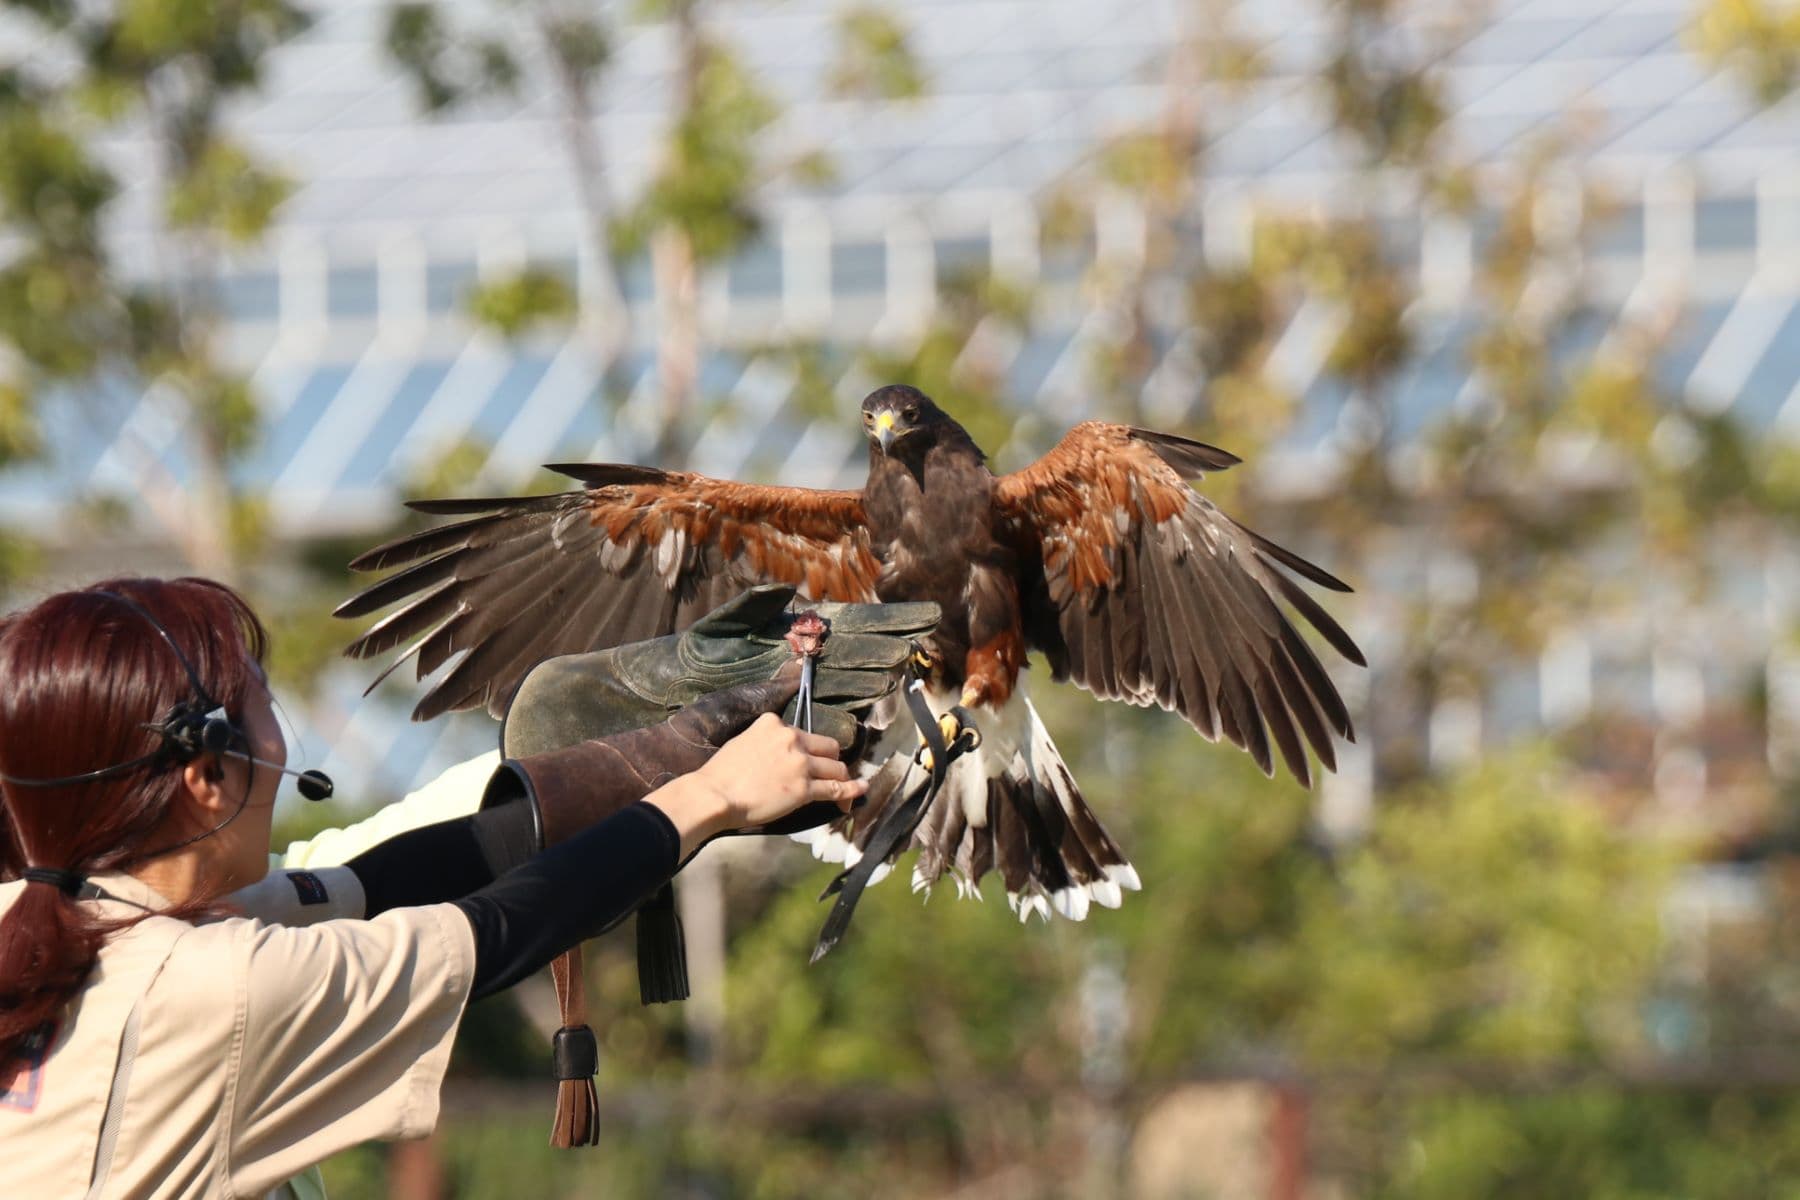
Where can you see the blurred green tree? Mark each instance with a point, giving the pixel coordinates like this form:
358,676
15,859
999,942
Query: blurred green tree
71,317
1598,1141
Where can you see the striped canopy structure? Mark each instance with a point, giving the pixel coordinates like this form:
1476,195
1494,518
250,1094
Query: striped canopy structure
368,369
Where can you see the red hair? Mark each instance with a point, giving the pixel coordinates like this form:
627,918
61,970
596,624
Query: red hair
84,681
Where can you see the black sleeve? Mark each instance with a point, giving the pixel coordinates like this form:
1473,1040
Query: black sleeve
446,861
568,893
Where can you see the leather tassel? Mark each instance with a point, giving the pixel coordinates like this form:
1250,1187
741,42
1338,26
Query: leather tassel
661,950
576,1103
574,1057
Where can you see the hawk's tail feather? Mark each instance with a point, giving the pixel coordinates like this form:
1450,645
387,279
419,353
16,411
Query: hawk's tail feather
1009,806
941,832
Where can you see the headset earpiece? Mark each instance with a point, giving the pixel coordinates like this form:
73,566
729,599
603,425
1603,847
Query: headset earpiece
217,733
188,731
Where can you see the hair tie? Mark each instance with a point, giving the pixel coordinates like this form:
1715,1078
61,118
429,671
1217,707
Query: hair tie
69,883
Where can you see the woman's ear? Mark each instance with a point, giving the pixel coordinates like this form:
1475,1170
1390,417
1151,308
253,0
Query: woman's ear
203,782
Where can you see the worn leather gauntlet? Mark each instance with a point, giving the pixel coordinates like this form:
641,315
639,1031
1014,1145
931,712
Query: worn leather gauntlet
579,696
578,785
587,734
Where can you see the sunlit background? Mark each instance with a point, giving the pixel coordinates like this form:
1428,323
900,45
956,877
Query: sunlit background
1501,305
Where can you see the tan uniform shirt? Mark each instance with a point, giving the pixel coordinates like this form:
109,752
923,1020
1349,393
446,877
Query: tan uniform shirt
221,1059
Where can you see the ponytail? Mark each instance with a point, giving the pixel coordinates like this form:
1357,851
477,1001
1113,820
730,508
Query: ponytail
48,944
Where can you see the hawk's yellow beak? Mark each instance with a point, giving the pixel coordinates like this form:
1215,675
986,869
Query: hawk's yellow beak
884,430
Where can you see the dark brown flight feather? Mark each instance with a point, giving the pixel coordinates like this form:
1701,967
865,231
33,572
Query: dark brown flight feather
641,554
1152,595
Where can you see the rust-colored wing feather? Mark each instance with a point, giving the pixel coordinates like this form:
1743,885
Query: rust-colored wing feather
638,554
1149,594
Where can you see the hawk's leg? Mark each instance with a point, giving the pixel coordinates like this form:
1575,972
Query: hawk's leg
957,725
958,722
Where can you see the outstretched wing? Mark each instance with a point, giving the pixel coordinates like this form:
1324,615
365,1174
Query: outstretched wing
1149,594
638,554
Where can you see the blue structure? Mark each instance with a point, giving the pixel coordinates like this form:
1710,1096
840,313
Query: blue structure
350,316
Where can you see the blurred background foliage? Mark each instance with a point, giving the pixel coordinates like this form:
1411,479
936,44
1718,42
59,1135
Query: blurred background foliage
1478,989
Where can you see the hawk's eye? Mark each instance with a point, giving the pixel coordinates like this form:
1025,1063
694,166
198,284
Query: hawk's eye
911,415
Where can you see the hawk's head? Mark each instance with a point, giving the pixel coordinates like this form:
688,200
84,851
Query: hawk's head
899,413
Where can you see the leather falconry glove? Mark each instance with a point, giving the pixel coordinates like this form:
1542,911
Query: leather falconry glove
582,783
579,696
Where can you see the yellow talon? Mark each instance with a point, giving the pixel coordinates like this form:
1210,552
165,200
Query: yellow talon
955,725
922,755
921,659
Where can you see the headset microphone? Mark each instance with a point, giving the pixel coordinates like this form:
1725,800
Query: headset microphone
314,785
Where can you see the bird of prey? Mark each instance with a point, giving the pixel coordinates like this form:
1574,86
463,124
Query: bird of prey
1100,557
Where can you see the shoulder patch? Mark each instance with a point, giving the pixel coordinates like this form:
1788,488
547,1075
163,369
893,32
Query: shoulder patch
310,887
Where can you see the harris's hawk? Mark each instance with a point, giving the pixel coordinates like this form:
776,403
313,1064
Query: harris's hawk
1099,556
